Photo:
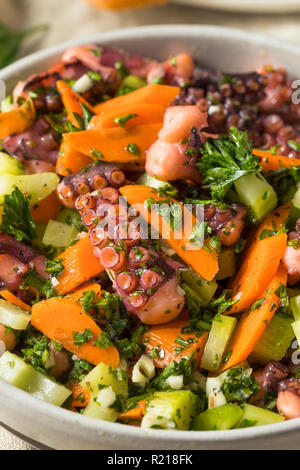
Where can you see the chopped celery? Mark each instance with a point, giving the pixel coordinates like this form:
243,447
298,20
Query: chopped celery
257,194
17,372
13,316
296,199
296,330
171,410
223,417
155,183
103,374
37,186
95,410
131,83
205,289
227,261
275,340
40,230
218,340
70,217
58,234
10,165
256,416
295,306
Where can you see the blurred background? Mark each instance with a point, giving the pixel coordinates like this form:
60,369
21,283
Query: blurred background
69,19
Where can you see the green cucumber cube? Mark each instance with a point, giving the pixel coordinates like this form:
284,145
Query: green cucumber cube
223,417
256,416
59,235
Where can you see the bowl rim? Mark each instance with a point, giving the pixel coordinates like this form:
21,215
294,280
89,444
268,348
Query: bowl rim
64,416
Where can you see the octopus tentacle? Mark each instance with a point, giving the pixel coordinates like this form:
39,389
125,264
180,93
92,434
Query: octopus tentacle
145,280
97,177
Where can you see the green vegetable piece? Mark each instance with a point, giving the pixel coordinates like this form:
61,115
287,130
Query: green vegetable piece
15,371
296,199
70,217
94,410
258,195
155,183
295,306
13,316
171,410
275,340
204,289
37,186
257,416
296,329
59,235
131,83
104,375
216,419
10,165
7,104
218,340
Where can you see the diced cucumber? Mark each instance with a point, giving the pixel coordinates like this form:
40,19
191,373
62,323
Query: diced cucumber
38,186
103,374
17,372
223,417
256,416
12,316
59,235
131,83
205,289
257,194
227,261
95,410
10,165
218,340
70,217
171,410
275,340
295,306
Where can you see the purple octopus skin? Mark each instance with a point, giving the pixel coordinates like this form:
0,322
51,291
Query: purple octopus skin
21,259
37,142
269,378
94,178
291,385
226,224
145,280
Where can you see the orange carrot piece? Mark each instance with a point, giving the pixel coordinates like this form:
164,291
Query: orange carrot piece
271,162
69,160
81,396
164,338
161,95
72,101
7,295
17,120
78,293
48,208
253,323
146,114
80,265
136,414
113,143
201,260
59,318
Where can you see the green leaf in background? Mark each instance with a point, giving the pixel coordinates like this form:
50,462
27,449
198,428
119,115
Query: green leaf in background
10,42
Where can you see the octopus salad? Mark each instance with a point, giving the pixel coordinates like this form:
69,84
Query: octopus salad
108,308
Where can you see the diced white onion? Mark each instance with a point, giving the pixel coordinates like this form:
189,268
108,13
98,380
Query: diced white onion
151,420
83,84
214,393
106,397
143,371
175,381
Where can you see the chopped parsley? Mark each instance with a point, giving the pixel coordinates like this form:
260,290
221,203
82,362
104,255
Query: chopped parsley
122,120
84,337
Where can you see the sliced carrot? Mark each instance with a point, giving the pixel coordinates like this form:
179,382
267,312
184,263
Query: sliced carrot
59,318
80,265
164,337
17,120
136,414
69,160
48,208
114,144
7,295
72,101
145,114
201,260
270,162
261,260
161,95
253,322
78,293
81,396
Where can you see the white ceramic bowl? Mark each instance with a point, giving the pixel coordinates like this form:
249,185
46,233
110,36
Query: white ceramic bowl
230,51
